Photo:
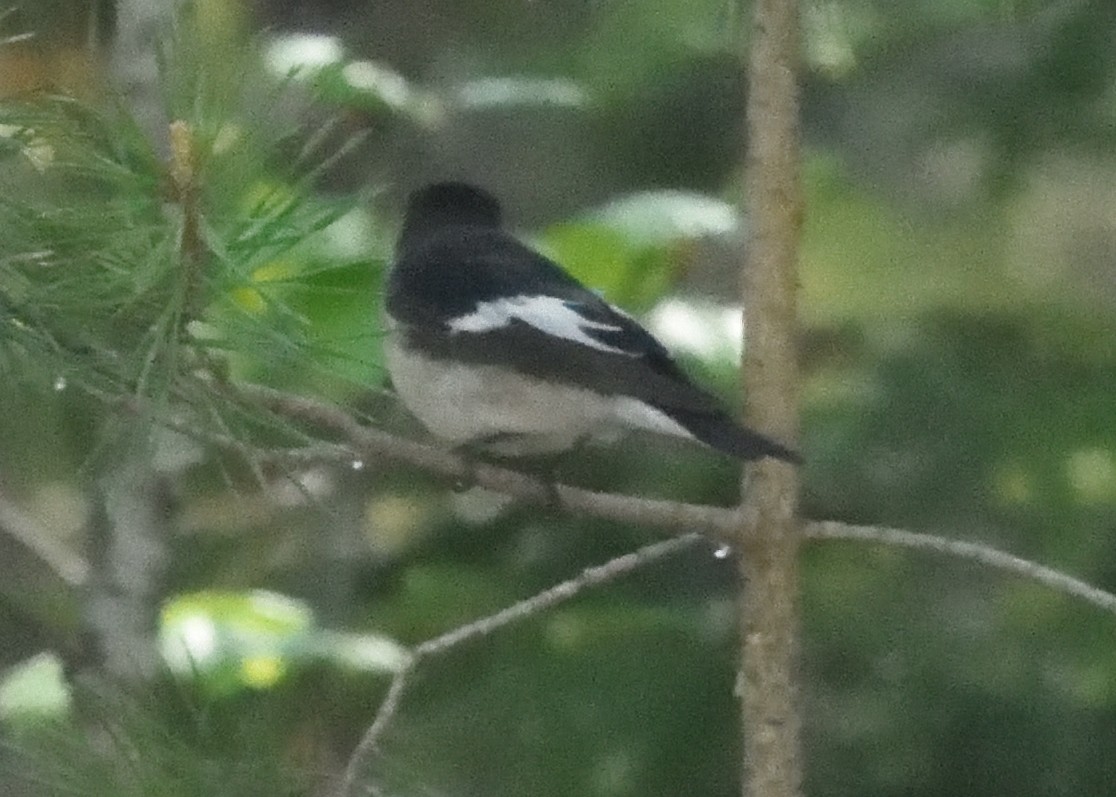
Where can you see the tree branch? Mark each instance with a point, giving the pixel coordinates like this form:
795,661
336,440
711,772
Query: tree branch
547,599
718,524
972,551
369,444
70,568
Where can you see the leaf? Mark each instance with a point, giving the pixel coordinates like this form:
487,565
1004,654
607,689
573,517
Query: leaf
658,218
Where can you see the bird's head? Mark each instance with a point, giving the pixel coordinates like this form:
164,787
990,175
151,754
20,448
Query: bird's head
447,204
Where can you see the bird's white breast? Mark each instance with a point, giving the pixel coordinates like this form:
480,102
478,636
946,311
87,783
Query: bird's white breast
463,403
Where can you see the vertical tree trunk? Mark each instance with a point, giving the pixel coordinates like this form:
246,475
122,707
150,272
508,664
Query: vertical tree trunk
129,550
128,554
769,565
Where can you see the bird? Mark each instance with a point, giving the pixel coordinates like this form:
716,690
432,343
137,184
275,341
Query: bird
496,348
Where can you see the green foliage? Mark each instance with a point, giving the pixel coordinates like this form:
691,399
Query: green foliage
959,374
189,748
112,280
91,275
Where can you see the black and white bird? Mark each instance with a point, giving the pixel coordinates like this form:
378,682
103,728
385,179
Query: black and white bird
494,346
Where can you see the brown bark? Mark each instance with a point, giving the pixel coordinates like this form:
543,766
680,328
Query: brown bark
769,566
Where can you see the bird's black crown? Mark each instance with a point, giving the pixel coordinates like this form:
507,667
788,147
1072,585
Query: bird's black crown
448,204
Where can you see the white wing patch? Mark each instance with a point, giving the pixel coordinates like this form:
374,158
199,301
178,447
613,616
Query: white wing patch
548,314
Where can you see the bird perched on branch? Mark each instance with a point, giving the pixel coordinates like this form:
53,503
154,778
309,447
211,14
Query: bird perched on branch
493,346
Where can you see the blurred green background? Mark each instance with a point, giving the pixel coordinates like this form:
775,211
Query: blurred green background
958,344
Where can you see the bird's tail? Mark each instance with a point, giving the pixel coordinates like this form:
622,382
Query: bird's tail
719,431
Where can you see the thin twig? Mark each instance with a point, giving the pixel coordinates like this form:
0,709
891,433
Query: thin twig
529,607
186,187
70,568
973,551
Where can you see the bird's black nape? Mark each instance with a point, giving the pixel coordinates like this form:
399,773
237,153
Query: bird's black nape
447,204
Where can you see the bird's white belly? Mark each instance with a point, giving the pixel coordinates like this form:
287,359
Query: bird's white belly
462,403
